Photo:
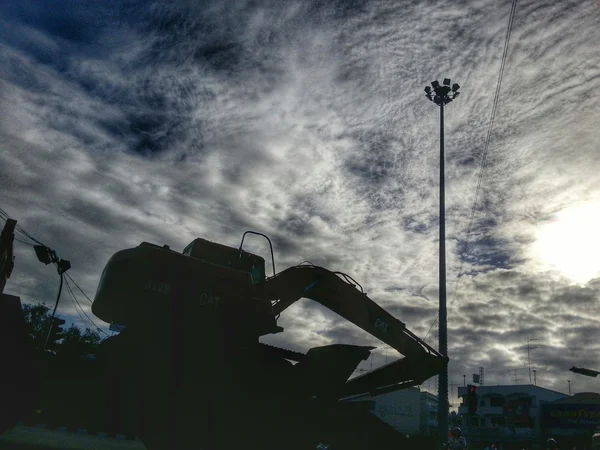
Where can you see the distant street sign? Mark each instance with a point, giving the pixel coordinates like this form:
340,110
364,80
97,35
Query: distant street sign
571,416
476,378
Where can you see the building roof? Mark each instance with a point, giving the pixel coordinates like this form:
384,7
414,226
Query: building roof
507,388
425,394
582,398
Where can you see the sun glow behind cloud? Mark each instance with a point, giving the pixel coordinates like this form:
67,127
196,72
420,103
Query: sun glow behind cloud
570,243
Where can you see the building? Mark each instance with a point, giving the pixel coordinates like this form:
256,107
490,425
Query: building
428,414
408,411
510,415
572,421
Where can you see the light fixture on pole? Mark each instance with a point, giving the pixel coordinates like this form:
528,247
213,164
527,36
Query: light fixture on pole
442,95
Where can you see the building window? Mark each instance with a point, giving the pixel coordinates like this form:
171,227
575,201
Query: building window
497,401
497,421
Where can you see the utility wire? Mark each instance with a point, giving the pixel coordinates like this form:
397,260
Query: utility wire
75,304
80,290
485,149
78,307
489,134
54,312
24,233
79,304
18,232
19,229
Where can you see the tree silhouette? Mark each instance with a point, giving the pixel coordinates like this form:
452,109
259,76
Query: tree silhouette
72,342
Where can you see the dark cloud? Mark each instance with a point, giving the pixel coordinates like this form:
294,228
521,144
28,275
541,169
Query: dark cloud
129,121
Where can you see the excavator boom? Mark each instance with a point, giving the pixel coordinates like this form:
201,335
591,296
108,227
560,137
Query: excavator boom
420,361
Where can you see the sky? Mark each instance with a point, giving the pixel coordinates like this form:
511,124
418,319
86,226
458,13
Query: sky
131,121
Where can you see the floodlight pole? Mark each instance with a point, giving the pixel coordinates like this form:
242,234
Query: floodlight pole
441,96
443,314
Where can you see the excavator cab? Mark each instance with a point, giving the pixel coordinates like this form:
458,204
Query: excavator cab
227,257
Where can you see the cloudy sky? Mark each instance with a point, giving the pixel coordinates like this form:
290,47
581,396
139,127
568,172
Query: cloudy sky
123,122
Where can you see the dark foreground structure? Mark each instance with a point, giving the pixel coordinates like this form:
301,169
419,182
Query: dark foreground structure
188,370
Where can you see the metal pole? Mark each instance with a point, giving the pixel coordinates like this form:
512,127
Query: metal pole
569,381
529,360
6,251
443,343
54,312
442,95
529,347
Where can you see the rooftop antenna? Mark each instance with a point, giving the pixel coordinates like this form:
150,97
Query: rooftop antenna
529,340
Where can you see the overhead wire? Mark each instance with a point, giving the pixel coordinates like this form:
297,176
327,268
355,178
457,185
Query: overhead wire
489,134
80,290
19,230
485,150
54,312
79,304
23,233
22,242
75,304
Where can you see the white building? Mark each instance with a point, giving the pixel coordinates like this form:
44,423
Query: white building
428,413
409,411
509,414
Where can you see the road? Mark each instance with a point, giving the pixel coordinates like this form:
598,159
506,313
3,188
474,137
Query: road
24,437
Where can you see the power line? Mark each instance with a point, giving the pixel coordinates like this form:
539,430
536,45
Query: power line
488,138
20,230
489,135
80,290
485,149
79,304
75,304
54,312
24,233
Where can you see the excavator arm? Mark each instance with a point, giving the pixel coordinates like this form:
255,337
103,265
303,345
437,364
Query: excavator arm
341,295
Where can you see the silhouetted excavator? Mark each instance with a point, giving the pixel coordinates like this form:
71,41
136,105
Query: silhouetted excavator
188,370
193,369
